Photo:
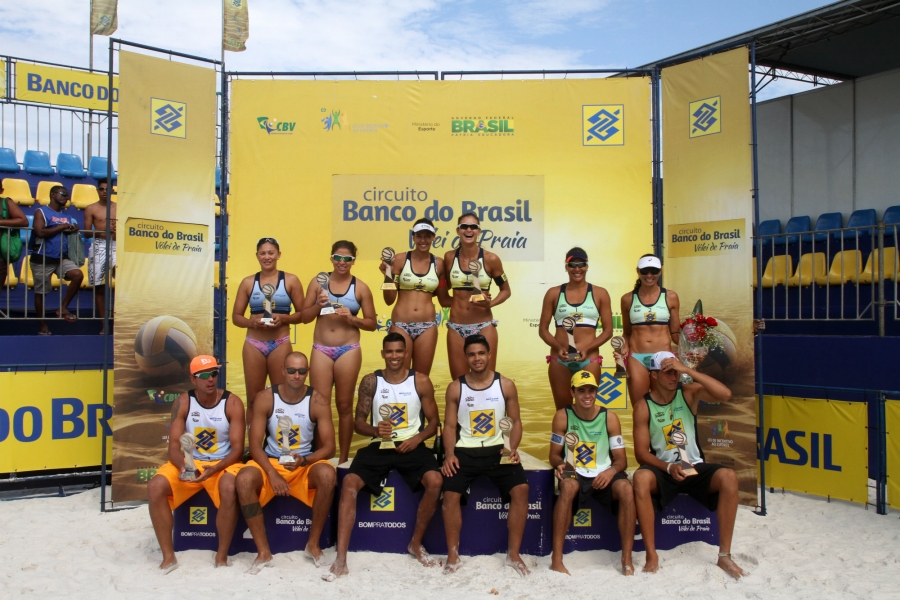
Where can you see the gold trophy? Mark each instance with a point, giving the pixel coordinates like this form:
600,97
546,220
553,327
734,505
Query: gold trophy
569,325
475,269
680,439
571,441
387,255
268,290
322,279
385,412
505,425
190,467
284,427
617,343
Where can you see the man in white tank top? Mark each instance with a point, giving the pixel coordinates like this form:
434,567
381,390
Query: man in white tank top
215,420
475,404
414,419
310,478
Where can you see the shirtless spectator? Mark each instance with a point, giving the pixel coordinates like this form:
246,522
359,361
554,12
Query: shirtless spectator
95,224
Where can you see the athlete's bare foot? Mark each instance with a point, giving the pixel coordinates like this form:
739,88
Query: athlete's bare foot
316,555
221,562
452,565
168,565
421,555
338,569
627,568
259,564
518,564
729,566
559,567
652,564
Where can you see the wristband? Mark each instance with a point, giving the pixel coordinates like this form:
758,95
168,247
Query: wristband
668,469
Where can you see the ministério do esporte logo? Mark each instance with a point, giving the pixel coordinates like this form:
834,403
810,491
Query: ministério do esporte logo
482,126
273,126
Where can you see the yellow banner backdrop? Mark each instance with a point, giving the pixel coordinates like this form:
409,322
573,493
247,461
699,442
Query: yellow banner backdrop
892,414
816,447
65,87
547,164
3,68
706,249
52,420
164,283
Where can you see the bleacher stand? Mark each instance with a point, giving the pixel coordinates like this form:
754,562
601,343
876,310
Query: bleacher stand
69,165
37,162
97,168
8,162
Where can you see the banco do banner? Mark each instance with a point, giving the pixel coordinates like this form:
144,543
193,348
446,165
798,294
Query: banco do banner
707,249
547,165
64,87
164,279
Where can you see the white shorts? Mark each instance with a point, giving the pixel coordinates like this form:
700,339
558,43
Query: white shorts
97,261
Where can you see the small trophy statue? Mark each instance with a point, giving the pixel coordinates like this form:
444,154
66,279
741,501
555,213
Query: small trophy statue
322,279
617,343
475,269
385,412
268,290
387,255
190,468
571,441
569,325
506,425
284,427
680,439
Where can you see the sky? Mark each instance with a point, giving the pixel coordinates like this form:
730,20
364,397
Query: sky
389,35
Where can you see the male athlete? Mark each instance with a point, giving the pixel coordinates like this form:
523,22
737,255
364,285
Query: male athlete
668,414
599,460
410,396
475,403
215,420
310,478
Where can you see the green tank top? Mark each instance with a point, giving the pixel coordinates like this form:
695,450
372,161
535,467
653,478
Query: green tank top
665,419
592,450
585,314
655,314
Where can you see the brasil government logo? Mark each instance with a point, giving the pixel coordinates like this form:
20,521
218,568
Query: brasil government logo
168,118
705,116
482,126
276,127
603,124
384,502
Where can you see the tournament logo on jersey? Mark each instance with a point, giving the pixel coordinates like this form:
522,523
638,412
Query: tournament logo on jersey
579,317
206,440
293,437
384,502
668,430
603,124
706,116
582,518
399,416
586,455
650,317
168,118
612,393
482,423
198,515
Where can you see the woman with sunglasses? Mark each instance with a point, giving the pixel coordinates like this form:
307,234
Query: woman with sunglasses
590,307
336,355
418,275
470,318
266,344
650,323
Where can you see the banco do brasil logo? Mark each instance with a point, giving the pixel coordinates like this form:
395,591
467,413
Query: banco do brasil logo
482,126
275,127
705,116
603,124
384,502
168,118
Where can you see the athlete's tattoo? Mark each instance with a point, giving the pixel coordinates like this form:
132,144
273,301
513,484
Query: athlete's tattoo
175,406
251,510
366,394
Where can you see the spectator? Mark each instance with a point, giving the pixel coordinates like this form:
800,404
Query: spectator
10,216
95,227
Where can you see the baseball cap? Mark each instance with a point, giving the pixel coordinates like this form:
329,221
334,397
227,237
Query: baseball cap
657,359
649,261
204,362
582,378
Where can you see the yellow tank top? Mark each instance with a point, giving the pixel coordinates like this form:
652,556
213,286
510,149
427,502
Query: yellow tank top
410,280
462,279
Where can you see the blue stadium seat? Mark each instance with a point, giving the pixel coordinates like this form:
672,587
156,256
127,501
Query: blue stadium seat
218,177
8,162
770,227
37,163
828,221
69,165
891,220
862,218
798,225
97,168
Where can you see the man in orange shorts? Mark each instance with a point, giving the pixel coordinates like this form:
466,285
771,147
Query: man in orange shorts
215,420
309,477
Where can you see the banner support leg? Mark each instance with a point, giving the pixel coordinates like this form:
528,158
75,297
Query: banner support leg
657,164
107,292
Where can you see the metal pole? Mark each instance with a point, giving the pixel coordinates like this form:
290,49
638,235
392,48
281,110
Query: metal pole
657,154
91,68
880,275
881,483
107,292
223,238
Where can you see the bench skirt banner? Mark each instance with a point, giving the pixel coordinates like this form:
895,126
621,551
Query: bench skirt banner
164,280
892,413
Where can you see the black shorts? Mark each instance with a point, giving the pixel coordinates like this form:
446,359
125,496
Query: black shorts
604,496
695,486
484,461
373,465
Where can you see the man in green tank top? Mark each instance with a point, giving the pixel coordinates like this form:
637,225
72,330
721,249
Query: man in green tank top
599,460
665,416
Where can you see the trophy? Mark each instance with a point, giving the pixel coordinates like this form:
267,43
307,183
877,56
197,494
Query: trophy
680,439
571,441
569,325
617,343
322,279
284,426
268,290
506,425
385,412
190,468
387,255
475,269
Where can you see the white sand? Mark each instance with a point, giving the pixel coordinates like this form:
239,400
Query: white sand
805,548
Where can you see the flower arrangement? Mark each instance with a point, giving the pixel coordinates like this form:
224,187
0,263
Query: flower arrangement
699,337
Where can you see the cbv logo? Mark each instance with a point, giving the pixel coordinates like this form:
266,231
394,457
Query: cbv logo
274,126
805,448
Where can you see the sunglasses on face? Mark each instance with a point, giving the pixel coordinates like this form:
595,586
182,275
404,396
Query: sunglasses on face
577,264
469,226
342,258
62,194
207,375
649,271
292,370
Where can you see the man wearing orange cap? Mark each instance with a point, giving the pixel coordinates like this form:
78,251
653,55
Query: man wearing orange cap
214,418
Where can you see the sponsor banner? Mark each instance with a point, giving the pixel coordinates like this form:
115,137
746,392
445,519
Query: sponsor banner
236,20
104,17
52,420
892,413
816,447
708,209
164,287
3,70
64,87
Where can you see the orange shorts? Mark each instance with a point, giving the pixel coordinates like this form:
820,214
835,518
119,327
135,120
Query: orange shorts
182,490
298,480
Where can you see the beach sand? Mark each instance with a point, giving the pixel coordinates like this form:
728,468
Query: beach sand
805,548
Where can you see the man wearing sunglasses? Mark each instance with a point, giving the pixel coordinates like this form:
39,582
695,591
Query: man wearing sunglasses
215,420
310,478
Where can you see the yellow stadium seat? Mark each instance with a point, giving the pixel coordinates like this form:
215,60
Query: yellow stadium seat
18,190
778,270
43,192
11,279
811,266
84,271
83,195
870,273
845,266
216,276
25,274
753,275
218,207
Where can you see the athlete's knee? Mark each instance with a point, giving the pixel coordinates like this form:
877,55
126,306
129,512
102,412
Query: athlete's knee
324,476
568,488
158,488
643,482
623,493
519,493
451,500
728,482
226,487
432,481
247,483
